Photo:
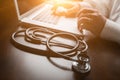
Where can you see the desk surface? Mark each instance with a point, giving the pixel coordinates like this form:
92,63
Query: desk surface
16,64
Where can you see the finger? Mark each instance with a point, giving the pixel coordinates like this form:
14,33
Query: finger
56,5
74,8
71,12
86,10
60,11
84,23
62,4
89,15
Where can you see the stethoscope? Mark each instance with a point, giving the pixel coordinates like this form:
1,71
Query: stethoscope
37,35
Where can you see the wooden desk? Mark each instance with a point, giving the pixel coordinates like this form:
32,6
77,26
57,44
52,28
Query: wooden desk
16,64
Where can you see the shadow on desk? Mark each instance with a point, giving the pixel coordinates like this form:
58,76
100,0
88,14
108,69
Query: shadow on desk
18,64
104,60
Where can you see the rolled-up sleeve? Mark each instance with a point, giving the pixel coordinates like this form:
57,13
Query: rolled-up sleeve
111,31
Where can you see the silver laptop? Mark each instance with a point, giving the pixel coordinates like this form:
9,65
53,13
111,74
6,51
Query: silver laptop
38,12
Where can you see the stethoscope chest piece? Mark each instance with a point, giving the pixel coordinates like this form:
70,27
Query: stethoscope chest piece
82,66
83,69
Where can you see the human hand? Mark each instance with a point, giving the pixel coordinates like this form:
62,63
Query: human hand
66,8
91,20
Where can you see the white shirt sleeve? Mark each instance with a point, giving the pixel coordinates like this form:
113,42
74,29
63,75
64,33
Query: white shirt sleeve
111,31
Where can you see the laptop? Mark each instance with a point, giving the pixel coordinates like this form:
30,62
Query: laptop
38,12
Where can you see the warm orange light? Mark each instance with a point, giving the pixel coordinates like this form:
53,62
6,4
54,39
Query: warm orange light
58,1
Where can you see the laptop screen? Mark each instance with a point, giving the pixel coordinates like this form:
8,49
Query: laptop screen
26,5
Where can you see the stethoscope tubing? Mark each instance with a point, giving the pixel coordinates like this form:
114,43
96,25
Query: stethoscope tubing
31,37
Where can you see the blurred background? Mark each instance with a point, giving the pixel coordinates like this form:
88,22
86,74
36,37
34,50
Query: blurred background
105,56
7,18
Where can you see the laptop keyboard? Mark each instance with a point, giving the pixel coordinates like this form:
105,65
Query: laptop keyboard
47,16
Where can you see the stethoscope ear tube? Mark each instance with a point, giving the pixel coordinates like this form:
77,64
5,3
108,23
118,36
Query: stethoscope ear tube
74,50
64,34
23,44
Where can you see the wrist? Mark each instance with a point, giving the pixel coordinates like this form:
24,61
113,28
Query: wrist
100,29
